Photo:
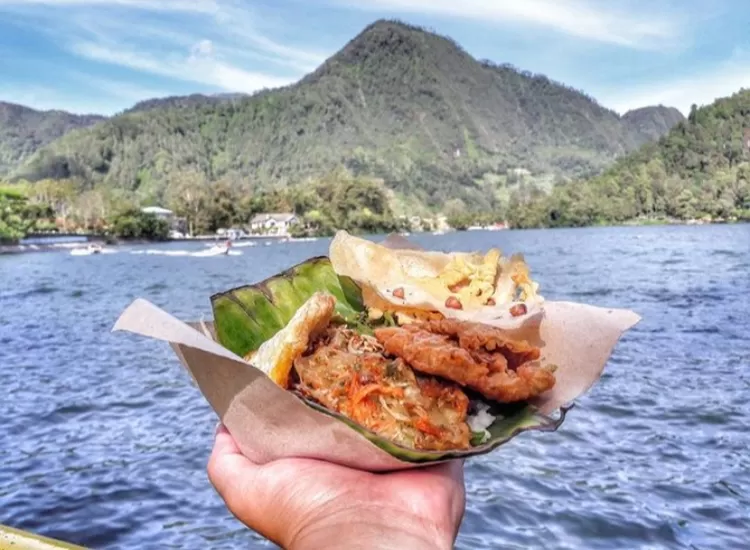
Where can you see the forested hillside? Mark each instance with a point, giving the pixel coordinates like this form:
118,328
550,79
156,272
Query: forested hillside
700,169
24,130
397,103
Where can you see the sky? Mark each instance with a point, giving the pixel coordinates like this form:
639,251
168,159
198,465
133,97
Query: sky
102,56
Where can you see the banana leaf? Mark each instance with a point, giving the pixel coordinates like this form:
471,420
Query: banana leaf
247,316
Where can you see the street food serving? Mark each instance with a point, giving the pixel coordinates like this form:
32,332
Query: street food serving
406,370
383,357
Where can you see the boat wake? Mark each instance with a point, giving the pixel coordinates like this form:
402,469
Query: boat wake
91,250
188,253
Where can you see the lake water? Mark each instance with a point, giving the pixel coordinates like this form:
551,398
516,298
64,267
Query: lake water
104,439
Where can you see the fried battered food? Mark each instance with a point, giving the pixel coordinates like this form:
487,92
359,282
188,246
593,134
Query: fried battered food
349,373
471,279
406,280
276,355
473,355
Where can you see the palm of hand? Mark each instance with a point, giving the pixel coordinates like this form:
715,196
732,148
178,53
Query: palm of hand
302,503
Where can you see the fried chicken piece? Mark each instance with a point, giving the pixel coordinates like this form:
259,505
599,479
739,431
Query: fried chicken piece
478,336
349,373
471,354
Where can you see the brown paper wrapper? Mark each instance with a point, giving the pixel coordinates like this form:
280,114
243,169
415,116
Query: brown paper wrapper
270,423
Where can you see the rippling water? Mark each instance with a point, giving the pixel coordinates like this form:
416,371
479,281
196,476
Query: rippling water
104,440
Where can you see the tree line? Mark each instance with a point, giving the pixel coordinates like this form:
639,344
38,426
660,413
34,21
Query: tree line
699,170
337,200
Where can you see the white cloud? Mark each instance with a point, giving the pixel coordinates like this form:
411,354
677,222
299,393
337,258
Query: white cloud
204,68
597,20
701,88
211,42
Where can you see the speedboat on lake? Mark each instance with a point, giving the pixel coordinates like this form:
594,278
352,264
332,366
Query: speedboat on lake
87,251
216,250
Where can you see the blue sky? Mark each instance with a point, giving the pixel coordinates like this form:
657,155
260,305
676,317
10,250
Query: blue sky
104,55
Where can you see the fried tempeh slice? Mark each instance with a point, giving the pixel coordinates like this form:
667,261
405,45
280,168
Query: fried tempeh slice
473,355
348,373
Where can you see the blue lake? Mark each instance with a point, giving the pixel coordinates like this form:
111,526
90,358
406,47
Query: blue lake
104,439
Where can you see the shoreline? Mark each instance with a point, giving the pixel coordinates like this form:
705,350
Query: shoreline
8,249
28,248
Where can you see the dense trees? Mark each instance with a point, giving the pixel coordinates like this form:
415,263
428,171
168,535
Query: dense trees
338,200
18,216
24,130
60,206
701,169
134,224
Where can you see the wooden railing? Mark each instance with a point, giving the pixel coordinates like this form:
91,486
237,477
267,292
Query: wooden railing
15,539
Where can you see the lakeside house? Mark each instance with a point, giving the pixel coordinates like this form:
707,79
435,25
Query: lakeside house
176,224
158,211
273,223
233,233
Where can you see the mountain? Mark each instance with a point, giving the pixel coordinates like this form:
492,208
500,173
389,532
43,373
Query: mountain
700,169
397,103
650,123
24,130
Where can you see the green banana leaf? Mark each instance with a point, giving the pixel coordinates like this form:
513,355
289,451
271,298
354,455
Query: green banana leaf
247,316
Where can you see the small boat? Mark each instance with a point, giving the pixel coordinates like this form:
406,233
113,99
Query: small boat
216,250
300,240
87,251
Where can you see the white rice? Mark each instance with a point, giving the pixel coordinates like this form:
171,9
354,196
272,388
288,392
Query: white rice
480,421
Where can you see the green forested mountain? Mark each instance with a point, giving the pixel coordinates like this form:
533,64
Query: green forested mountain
24,130
700,169
397,103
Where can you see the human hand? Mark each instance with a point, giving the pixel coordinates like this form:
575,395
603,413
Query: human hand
312,504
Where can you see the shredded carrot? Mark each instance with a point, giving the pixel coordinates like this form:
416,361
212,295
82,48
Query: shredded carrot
424,425
362,393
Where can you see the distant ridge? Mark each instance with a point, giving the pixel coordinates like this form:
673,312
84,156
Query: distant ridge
24,130
699,171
